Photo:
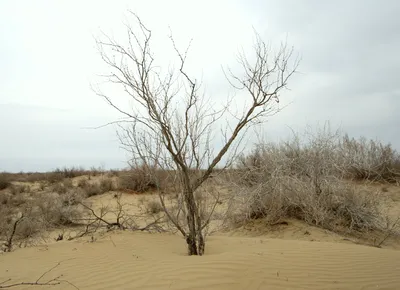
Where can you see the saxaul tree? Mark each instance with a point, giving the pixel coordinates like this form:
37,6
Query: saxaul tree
171,125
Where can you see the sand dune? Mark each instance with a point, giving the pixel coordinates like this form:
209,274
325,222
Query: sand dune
126,260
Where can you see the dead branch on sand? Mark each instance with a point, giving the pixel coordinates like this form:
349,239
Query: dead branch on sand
52,282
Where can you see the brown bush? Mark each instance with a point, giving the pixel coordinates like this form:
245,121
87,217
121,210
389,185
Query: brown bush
63,186
73,197
54,177
154,207
107,184
139,179
82,183
4,181
4,198
93,189
71,172
28,228
96,188
16,189
18,200
56,210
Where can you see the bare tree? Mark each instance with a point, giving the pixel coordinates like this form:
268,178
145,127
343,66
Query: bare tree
171,126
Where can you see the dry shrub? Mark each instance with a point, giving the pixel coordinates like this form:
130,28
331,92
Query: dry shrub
307,181
95,171
73,197
113,173
33,177
4,181
369,160
107,184
45,212
71,172
96,188
16,189
63,186
13,200
337,207
60,174
83,183
92,189
55,210
28,228
154,207
42,185
54,177
24,176
138,179
18,200
321,154
4,199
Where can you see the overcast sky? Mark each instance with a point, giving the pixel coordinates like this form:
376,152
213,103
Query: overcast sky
350,68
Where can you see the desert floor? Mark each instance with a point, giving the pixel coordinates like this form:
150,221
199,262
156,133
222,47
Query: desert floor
292,256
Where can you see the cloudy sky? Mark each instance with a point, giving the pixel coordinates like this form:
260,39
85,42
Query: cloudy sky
48,59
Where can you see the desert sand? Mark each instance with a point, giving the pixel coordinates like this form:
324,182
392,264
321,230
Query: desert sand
126,260
290,256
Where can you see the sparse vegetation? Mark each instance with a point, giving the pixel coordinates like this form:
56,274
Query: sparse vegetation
321,154
311,181
22,221
316,181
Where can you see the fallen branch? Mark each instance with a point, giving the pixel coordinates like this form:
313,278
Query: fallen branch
100,218
51,282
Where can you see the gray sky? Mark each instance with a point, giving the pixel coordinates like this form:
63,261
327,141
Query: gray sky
349,70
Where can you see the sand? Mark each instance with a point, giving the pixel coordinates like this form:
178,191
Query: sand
126,260
290,256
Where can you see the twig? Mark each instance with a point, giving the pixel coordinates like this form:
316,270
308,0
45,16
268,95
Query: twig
113,242
388,234
51,282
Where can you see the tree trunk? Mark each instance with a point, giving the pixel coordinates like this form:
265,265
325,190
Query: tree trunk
201,242
194,239
192,245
